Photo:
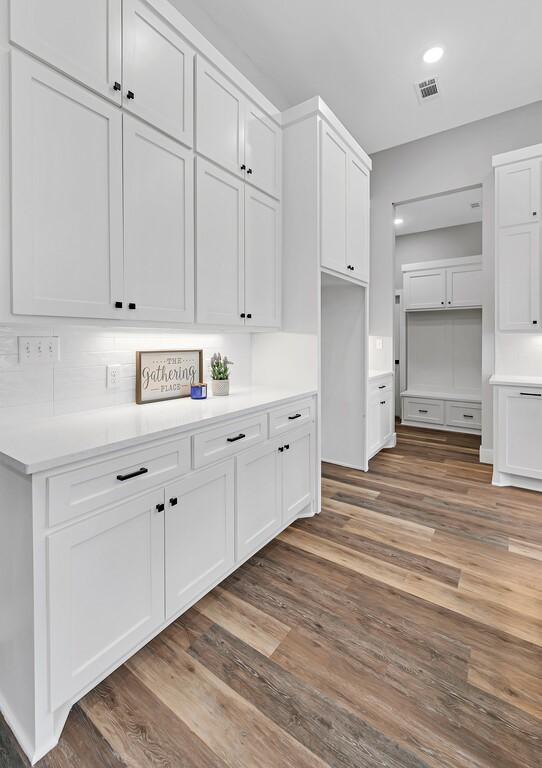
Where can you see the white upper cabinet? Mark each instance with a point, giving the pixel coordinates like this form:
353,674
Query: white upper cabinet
220,246
262,150
158,68
79,37
66,195
518,278
158,225
460,285
344,195
425,289
262,259
518,188
219,118
233,132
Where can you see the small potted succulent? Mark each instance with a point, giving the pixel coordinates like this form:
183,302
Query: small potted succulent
220,374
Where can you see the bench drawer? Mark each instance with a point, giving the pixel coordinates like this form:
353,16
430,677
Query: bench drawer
291,416
421,409
124,474
463,415
229,439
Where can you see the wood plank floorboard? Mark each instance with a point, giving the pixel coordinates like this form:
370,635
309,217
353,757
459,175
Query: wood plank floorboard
401,628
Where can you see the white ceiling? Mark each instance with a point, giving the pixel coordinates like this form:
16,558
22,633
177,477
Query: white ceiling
363,57
448,210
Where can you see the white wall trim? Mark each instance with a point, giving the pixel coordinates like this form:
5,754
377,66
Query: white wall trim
486,455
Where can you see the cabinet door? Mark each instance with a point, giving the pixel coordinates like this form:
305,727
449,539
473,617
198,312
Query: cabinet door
297,472
262,150
358,219
158,225
333,196
518,278
464,286
220,246
518,193
425,289
386,417
373,425
66,195
158,71
259,497
105,591
519,428
199,537
262,259
80,38
219,118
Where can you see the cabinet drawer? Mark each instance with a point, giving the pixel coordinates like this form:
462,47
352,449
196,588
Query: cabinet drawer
290,416
464,415
418,409
381,384
229,439
75,493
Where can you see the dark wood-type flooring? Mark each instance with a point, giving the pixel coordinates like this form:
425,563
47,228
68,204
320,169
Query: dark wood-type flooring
401,628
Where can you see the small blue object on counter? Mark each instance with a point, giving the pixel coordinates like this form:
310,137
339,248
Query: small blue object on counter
198,391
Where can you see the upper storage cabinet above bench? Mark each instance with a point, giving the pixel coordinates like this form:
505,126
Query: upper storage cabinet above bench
153,77
449,284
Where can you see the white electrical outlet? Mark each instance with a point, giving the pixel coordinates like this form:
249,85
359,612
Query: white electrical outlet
113,376
39,350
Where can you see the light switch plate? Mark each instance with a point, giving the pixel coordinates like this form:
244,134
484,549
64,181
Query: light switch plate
39,350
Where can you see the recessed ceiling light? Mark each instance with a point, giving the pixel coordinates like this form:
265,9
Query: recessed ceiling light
433,55
397,222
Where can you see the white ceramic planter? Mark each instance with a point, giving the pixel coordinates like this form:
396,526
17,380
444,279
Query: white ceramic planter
220,386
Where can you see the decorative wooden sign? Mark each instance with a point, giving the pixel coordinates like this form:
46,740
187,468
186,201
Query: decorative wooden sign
166,375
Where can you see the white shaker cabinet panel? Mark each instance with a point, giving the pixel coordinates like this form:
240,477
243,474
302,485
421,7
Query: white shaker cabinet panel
334,199
219,246
200,520
519,426
105,591
518,278
66,195
259,497
425,289
358,219
158,67
262,150
220,110
298,472
81,38
518,193
464,286
158,225
262,259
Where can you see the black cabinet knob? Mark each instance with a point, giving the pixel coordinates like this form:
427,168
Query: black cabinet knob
116,86
287,447
442,302
118,305
173,502
535,213
281,449
249,170
160,507
449,302
249,316
130,95
131,305
243,167
242,314
535,322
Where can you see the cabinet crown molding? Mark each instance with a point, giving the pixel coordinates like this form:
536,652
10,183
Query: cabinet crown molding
517,155
440,263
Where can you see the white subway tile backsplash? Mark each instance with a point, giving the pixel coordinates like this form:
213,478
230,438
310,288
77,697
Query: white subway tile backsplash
78,381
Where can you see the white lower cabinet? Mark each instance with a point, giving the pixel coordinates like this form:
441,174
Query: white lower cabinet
105,590
519,426
298,472
381,414
199,533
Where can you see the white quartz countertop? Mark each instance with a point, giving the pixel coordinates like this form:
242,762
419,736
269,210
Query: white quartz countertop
46,443
503,379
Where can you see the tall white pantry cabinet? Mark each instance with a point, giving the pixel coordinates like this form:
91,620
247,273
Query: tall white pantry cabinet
518,271
108,173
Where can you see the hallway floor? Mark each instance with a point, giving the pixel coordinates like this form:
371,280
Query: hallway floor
400,628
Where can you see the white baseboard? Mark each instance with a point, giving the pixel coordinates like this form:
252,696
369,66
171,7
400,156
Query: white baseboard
486,455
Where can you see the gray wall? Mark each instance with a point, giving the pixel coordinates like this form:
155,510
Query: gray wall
444,162
443,243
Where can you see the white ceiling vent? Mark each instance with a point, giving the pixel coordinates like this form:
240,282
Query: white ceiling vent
426,90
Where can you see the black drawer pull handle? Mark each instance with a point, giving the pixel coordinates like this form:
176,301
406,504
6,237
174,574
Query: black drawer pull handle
421,410
131,305
297,416
281,449
234,439
287,447
382,386
142,471
382,402
531,394
118,305
468,416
